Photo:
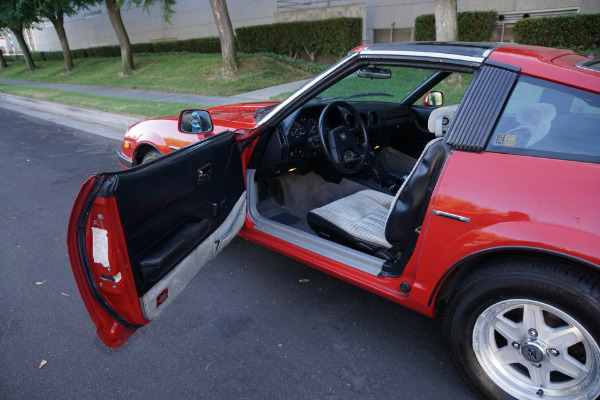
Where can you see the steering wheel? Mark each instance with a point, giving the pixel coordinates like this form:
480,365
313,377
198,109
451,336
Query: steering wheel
342,145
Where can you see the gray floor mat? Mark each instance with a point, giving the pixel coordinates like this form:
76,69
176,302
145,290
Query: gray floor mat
303,193
286,219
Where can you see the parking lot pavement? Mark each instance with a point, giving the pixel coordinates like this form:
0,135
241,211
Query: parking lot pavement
253,324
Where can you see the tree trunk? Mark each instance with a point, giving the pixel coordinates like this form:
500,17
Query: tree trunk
228,49
446,23
114,13
17,31
58,22
3,63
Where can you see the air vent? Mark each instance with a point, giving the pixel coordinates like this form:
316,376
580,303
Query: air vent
373,118
281,135
480,109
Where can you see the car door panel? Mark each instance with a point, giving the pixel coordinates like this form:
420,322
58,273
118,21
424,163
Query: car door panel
137,238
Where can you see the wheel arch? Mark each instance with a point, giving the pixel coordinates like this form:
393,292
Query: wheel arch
141,150
462,268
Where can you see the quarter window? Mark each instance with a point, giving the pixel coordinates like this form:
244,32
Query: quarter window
545,119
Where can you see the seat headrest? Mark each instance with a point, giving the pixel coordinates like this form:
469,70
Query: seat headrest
536,114
440,118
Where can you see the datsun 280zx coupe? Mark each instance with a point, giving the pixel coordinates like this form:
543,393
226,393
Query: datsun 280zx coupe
458,180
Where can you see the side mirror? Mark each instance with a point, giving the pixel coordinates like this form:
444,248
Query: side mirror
195,121
433,99
374,73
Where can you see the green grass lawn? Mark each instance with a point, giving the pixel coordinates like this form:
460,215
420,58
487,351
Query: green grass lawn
179,73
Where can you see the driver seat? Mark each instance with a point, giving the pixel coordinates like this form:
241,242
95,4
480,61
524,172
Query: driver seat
375,222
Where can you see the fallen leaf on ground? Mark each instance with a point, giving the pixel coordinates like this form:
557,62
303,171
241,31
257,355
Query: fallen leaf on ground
303,280
40,283
42,363
64,294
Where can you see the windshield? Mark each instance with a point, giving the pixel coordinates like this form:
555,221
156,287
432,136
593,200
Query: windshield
400,83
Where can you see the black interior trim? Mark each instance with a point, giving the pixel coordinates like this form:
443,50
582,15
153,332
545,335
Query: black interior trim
172,249
169,206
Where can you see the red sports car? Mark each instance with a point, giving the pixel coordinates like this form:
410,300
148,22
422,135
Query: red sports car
482,210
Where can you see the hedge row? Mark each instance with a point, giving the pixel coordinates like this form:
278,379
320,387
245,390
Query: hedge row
473,26
200,45
577,30
334,37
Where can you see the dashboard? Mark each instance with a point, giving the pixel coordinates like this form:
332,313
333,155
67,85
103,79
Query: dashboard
296,142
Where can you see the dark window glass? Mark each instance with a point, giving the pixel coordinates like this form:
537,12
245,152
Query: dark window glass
545,119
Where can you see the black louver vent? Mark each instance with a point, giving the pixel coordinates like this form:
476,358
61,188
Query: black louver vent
482,105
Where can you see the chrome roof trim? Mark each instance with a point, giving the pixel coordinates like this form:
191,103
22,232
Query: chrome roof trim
422,54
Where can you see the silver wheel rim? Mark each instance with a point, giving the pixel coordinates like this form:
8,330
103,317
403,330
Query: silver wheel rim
533,350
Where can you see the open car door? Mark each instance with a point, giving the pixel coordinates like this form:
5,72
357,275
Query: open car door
136,238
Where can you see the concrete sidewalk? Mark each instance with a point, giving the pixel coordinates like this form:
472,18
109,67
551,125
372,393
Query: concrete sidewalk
114,125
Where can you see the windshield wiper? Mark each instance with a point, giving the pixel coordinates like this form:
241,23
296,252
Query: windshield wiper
352,96
263,110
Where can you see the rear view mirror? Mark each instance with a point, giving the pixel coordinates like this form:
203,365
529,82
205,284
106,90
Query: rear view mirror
433,99
195,121
374,73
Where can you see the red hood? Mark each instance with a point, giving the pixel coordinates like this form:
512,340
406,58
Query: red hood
232,117
236,116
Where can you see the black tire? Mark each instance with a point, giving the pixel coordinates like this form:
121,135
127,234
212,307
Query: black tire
151,156
501,328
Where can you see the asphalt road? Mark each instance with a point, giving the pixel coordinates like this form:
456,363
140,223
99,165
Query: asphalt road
249,326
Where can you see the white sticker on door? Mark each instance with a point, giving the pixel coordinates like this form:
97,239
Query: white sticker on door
100,245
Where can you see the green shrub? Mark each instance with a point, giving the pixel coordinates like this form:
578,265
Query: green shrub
334,37
476,26
202,45
198,45
104,51
142,48
79,53
37,55
171,46
53,55
569,31
425,27
48,55
473,26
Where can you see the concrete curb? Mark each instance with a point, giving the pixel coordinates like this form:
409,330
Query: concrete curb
118,122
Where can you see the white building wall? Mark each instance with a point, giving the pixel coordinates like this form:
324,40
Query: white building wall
383,19
190,19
